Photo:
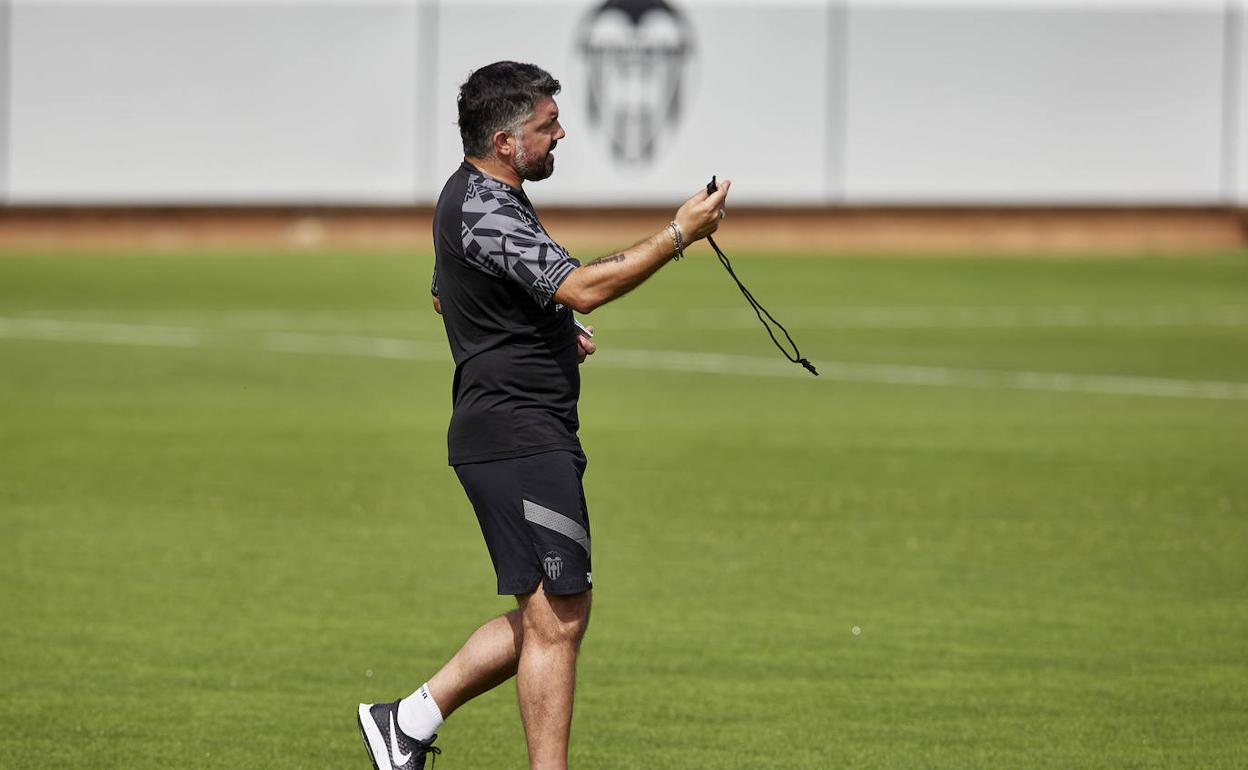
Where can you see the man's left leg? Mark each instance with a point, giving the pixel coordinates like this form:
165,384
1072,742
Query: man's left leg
399,735
546,679
486,660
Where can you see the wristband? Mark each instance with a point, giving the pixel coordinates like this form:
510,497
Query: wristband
678,240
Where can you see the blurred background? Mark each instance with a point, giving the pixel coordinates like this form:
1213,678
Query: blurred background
329,121
1006,527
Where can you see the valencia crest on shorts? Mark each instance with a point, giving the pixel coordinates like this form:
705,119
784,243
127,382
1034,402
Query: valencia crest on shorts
552,564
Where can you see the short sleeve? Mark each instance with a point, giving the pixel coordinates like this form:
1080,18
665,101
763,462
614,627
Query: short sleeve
502,237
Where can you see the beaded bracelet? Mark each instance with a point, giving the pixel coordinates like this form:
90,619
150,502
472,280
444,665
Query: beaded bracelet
678,240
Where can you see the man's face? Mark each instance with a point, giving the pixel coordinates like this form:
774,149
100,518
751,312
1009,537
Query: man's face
533,160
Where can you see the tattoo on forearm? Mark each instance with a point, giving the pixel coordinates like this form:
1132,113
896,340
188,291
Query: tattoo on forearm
605,260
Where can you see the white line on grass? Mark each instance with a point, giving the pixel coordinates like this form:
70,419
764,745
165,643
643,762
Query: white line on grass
623,358
876,317
351,345
900,374
101,333
963,317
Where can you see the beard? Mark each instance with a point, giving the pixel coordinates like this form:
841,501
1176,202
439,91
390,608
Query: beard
534,167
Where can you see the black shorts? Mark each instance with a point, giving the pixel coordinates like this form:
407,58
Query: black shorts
532,513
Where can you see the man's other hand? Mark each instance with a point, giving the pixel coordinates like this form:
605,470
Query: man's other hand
437,304
585,347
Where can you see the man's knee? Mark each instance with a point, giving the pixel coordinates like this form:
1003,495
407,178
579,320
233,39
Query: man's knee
556,619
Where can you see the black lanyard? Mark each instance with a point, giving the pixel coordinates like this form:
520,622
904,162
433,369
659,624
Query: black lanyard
759,310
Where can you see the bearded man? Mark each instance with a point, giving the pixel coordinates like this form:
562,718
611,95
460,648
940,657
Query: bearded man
507,292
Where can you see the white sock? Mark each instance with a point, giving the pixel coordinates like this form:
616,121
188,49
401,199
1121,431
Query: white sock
419,715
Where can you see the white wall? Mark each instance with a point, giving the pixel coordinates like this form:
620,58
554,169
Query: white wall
1236,80
213,102
4,100
1035,104
799,101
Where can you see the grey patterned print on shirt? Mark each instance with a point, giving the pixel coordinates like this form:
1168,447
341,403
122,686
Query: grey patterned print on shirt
501,236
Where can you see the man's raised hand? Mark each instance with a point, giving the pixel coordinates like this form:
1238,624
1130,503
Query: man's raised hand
699,216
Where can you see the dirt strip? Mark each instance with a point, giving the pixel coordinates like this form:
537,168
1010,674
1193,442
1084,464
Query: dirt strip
590,231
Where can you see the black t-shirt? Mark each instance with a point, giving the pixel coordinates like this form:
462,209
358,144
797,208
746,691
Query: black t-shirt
516,377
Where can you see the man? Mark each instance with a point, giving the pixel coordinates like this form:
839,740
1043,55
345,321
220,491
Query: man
506,293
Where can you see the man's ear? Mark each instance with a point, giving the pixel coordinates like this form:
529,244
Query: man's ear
502,142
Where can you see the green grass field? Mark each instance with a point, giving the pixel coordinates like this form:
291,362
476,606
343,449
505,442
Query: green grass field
226,518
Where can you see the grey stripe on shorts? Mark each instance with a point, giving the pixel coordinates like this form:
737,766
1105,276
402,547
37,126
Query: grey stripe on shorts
544,517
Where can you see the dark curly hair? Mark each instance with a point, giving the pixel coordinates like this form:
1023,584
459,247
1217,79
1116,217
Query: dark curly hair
497,97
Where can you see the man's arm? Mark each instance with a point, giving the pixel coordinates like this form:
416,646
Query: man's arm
598,282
